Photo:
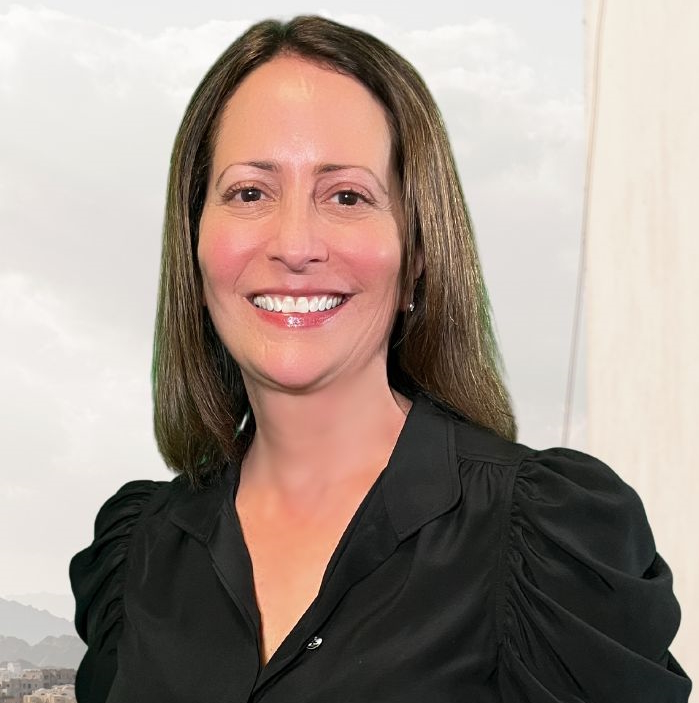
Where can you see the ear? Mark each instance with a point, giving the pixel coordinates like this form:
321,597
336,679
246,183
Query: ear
418,267
418,264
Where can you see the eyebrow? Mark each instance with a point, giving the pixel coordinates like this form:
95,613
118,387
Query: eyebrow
273,167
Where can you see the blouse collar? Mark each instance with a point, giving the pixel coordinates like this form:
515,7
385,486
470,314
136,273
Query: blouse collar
419,483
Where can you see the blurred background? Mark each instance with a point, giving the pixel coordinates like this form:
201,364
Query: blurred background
551,136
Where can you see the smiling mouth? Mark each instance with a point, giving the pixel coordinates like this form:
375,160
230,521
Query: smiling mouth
299,305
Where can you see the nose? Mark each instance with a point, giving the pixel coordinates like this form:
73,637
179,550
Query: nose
297,239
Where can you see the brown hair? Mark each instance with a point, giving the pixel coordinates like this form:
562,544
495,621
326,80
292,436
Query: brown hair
446,347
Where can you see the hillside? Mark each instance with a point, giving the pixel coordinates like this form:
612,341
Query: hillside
63,651
30,624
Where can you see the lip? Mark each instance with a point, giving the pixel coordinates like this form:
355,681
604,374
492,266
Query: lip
298,292
294,320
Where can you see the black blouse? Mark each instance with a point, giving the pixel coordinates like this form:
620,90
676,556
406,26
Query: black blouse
475,569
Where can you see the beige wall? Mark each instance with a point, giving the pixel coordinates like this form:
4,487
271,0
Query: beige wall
642,284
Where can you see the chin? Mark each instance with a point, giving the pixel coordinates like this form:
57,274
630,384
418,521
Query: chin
293,377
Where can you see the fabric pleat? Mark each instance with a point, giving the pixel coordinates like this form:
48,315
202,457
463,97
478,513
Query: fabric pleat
588,609
97,579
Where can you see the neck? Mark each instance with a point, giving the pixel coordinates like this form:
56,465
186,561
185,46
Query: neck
311,441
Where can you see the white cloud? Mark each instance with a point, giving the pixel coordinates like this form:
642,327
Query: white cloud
75,422
37,315
16,492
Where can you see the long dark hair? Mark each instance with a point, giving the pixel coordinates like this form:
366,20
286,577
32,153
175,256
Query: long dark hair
445,347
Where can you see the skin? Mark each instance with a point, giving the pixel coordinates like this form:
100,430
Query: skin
280,216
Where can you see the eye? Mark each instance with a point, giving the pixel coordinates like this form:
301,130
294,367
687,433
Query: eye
250,195
349,197
243,194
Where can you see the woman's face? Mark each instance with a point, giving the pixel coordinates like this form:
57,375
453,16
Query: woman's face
299,240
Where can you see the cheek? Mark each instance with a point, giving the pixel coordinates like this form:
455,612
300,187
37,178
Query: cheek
222,253
378,264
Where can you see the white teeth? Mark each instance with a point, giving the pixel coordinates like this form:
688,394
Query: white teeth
302,304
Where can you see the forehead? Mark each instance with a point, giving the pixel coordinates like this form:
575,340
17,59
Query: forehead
291,109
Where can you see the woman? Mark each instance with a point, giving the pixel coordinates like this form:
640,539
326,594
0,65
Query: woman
353,519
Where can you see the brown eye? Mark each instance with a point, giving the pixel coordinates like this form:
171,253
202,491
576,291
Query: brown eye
250,195
349,197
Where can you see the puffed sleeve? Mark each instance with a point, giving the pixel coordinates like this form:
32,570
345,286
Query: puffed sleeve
97,580
586,610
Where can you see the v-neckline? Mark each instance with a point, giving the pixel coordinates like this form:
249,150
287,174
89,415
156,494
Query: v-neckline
247,593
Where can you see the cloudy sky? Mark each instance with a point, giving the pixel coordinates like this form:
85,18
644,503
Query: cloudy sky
90,97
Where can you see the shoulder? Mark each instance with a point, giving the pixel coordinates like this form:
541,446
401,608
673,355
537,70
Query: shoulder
440,429
97,576
584,605
138,508
566,484
130,501
586,519
583,589
561,493
573,484
103,560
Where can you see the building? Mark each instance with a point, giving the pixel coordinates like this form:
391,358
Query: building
41,682
17,687
56,694
57,677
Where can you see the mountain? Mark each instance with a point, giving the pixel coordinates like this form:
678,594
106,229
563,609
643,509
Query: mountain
61,604
30,624
64,651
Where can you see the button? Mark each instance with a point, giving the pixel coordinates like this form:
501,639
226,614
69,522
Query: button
315,643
